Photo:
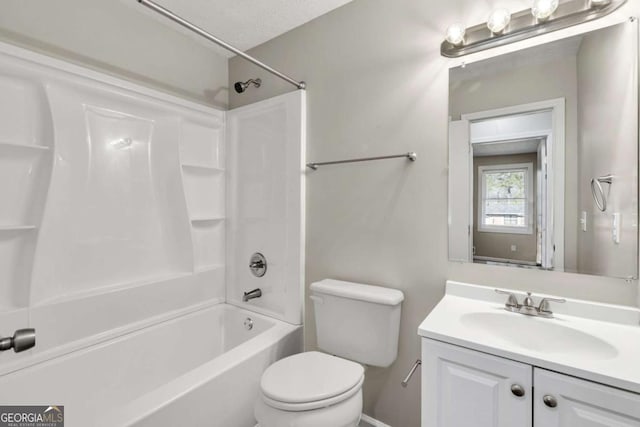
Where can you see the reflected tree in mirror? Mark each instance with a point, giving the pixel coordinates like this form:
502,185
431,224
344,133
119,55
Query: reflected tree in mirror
504,200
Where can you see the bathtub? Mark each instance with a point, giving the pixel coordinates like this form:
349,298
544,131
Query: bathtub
199,369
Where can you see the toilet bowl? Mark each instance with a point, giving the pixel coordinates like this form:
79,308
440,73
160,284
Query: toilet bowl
311,390
354,323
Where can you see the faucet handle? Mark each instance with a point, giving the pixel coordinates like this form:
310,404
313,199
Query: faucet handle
512,301
543,307
528,301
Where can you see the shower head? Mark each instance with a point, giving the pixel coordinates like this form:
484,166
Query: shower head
240,87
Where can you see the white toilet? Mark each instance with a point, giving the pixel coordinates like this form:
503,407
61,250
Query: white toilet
355,323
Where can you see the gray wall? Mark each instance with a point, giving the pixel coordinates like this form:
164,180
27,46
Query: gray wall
112,37
378,85
498,245
608,144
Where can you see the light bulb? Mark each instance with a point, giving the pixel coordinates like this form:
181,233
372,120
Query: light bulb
599,3
498,20
455,34
543,9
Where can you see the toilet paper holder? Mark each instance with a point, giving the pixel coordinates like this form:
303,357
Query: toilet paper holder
406,380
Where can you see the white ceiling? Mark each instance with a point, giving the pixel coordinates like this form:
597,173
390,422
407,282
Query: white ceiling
243,23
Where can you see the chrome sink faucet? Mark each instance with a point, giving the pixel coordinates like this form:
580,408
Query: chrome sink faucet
528,306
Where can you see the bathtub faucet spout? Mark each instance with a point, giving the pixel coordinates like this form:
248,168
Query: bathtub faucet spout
256,293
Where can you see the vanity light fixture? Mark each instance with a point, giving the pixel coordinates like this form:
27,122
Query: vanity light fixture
543,9
455,34
503,28
498,21
599,3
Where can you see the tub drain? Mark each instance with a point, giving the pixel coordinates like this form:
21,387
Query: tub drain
248,324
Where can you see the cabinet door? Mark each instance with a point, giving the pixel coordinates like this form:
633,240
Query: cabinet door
581,403
465,388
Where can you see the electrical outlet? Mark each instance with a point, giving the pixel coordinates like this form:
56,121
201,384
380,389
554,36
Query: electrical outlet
514,248
615,228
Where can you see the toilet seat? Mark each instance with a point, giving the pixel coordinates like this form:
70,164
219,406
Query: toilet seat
310,380
309,406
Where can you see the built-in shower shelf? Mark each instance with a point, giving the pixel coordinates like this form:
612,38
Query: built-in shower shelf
35,148
17,227
207,219
206,268
112,289
203,168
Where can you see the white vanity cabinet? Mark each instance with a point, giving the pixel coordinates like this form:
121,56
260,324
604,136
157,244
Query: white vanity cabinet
483,365
468,388
581,403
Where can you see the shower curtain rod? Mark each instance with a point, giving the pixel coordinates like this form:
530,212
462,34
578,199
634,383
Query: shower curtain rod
175,18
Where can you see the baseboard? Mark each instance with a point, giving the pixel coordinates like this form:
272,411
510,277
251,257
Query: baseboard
367,421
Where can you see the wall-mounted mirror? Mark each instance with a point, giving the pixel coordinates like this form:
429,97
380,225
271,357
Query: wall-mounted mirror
543,156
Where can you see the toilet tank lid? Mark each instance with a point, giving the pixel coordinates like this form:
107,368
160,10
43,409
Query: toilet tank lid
358,291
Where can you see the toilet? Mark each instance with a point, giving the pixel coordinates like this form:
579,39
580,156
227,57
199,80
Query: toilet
356,325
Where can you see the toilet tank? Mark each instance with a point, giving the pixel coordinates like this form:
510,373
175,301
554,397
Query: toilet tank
357,322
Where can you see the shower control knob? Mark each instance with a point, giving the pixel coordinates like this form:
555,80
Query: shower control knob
517,390
22,339
258,264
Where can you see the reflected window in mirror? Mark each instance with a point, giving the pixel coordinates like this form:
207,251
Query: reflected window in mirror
506,198
529,131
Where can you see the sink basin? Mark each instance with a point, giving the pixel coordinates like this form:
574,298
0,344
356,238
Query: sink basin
546,336
594,341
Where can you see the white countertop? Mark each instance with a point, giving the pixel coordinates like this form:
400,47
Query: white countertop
617,327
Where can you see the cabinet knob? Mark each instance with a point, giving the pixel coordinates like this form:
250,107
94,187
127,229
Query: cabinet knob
517,390
550,401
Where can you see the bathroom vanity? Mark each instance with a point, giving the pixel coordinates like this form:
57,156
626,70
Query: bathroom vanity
531,187
484,365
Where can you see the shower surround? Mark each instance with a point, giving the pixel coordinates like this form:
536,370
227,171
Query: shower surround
121,211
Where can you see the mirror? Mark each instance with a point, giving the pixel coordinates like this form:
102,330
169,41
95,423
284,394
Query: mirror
543,156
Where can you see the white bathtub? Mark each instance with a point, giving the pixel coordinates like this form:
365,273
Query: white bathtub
199,369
